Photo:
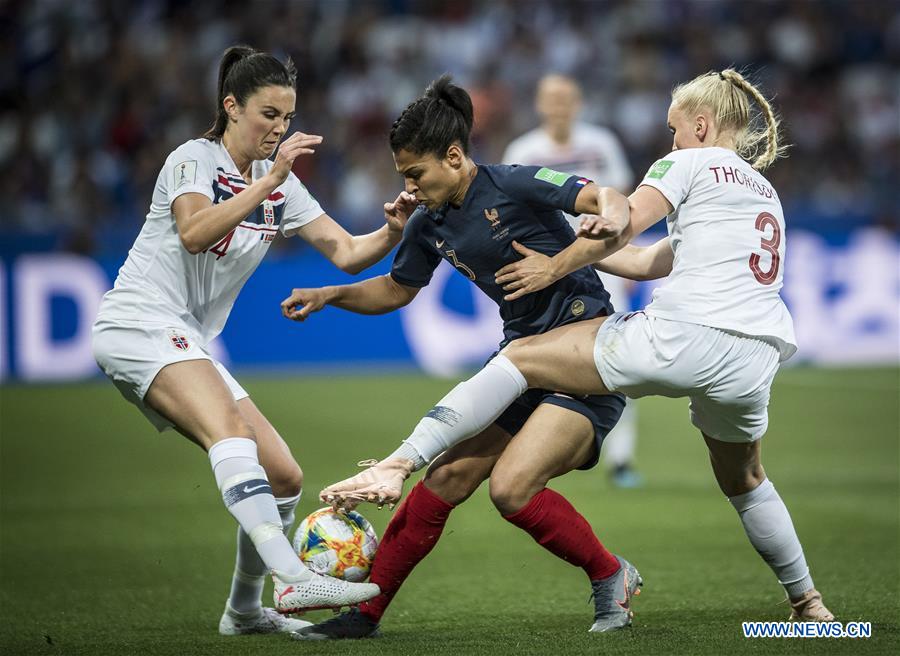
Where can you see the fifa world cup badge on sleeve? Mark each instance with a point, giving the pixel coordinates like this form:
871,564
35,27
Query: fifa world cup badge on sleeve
179,340
186,173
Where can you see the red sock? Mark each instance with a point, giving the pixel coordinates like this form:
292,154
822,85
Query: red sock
557,526
411,534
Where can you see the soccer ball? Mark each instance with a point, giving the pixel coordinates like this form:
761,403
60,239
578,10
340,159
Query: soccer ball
335,544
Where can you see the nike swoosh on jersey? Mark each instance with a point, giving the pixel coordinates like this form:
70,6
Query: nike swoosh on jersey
440,244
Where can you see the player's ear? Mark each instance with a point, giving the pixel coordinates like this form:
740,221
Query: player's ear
701,127
455,156
230,104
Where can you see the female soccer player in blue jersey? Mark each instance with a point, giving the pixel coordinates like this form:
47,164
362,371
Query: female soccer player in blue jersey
715,332
480,218
218,204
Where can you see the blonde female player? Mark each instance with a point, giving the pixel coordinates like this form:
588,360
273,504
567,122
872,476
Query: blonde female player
715,332
218,204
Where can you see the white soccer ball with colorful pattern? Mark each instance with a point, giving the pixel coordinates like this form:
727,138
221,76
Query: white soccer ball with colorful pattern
335,544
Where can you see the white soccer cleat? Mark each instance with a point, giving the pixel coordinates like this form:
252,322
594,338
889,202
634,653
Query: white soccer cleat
264,620
310,591
381,483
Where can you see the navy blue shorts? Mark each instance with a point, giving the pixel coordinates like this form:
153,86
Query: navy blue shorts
603,411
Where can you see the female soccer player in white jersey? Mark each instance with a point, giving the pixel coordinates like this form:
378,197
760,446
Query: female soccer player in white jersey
218,204
715,332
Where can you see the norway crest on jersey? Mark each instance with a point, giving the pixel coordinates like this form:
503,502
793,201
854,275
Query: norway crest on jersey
179,340
269,212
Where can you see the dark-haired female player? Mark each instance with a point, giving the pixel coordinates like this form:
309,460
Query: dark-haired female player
218,204
478,218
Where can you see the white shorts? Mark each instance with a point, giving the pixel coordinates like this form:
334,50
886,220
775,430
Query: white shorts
132,353
726,375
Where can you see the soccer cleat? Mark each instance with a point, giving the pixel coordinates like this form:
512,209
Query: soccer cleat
381,483
310,591
625,477
264,620
349,625
612,598
809,608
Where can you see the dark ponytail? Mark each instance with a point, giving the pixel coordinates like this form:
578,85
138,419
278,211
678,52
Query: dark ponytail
242,71
434,122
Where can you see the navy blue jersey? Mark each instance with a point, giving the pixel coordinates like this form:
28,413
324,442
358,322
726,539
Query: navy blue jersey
505,203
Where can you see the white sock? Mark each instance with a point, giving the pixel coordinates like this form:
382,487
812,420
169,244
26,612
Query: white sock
248,497
771,531
618,447
249,570
468,409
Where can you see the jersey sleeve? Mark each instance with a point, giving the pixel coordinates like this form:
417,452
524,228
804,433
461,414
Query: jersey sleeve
545,187
672,176
414,262
190,169
299,206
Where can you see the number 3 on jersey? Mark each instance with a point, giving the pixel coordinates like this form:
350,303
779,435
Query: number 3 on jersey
770,245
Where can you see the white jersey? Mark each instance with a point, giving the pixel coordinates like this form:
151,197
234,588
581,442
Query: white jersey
592,152
727,233
161,282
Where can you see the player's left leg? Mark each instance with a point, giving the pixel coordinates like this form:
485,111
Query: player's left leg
244,612
619,449
768,524
518,490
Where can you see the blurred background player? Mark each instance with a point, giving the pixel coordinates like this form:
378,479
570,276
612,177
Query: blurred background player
219,203
473,216
564,143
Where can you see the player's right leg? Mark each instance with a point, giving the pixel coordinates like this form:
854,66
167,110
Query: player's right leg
767,523
415,529
732,415
244,612
195,398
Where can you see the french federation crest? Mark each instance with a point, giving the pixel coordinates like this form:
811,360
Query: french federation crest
493,216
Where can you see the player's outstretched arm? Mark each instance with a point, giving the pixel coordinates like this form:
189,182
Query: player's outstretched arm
373,296
353,254
640,262
201,224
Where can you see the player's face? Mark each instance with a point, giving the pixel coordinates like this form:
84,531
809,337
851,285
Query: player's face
558,101
684,130
431,180
264,120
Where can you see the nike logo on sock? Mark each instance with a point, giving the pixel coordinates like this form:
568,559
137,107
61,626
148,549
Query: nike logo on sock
248,490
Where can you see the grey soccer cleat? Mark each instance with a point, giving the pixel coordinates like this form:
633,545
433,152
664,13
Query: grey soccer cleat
612,598
349,625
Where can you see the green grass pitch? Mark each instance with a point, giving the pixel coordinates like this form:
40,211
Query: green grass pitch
113,540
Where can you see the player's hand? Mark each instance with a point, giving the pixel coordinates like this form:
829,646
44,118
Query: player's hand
303,302
530,274
295,145
397,213
598,227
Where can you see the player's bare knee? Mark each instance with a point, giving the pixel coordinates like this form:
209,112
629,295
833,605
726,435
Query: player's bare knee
452,481
286,479
511,492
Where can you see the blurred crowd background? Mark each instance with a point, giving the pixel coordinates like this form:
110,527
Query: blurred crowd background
96,93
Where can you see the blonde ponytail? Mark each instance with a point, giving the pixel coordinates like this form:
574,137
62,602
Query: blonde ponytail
728,94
